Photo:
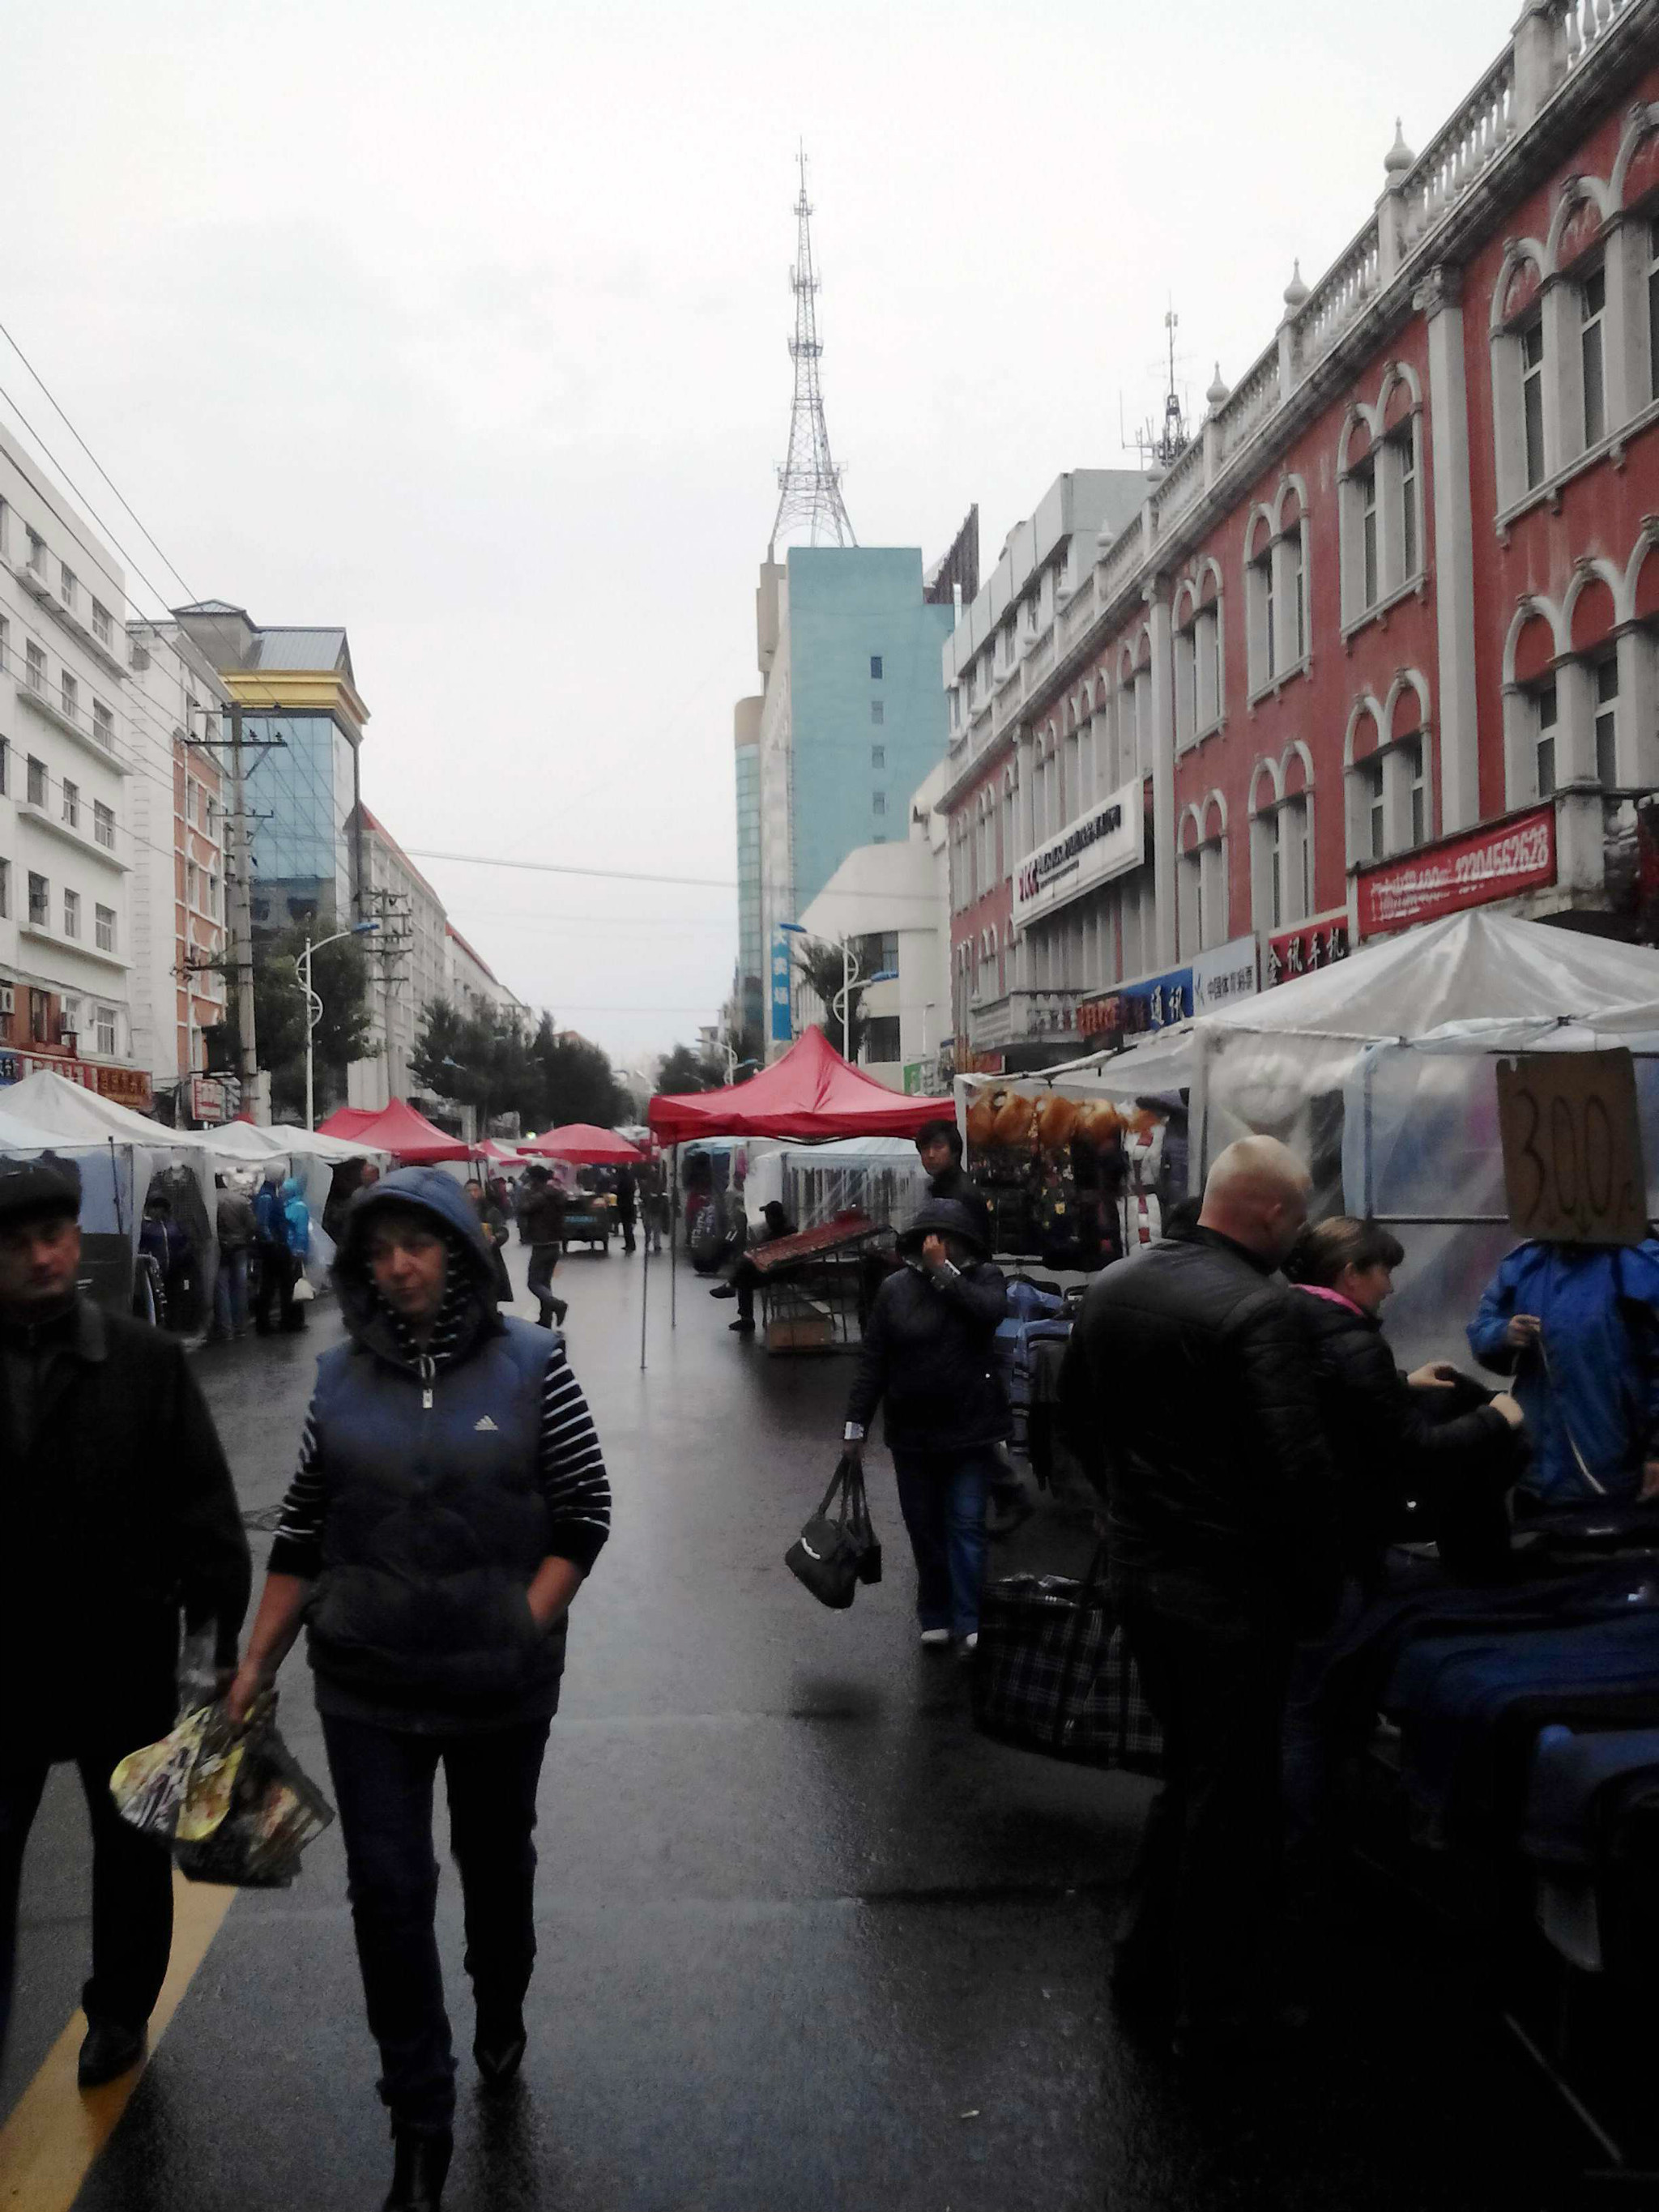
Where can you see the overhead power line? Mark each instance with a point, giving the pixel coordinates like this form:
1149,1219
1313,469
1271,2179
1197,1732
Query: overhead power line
637,876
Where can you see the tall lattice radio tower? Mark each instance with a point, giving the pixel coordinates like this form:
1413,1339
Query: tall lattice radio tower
809,482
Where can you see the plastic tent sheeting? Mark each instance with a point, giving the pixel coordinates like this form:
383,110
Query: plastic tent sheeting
400,1130
314,1144
1421,1151
586,1144
881,1176
106,1171
1279,1064
811,1093
139,1150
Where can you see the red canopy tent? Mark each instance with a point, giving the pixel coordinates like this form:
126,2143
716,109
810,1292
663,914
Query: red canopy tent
587,1146
400,1130
505,1155
812,1093
346,1122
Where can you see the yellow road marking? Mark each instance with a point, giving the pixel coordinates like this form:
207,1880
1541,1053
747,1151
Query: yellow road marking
56,2130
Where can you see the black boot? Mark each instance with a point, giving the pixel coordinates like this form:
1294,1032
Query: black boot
419,2163
108,2051
499,2043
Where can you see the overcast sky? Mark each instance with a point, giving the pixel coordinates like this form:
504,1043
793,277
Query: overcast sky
465,325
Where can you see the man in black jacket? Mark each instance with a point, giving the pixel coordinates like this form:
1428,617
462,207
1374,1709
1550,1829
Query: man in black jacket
927,1351
119,1514
1192,1372
939,1146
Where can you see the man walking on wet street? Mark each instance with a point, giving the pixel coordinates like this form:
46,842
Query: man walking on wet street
1189,1371
119,1514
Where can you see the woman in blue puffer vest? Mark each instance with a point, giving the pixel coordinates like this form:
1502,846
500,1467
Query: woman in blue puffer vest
450,1499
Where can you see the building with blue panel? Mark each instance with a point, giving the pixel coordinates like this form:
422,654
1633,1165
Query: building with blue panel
852,715
303,715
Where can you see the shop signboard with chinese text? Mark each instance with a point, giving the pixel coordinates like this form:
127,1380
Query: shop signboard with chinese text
1572,1147
1517,854
1223,977
128,1086
207,1099
1305,949
782,1024
1157,1002
1107,842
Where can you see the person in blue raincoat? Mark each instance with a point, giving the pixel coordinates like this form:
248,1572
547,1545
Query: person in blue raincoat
1577,1327
282,1221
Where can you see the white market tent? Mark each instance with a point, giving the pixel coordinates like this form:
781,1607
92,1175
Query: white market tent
80,1122
881,1177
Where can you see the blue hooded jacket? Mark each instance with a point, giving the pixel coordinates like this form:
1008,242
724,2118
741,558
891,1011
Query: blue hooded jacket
282,1217
1591,1395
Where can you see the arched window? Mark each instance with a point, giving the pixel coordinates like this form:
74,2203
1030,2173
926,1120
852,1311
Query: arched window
1198,688
1281,842
1276,590
1202,888
1522,378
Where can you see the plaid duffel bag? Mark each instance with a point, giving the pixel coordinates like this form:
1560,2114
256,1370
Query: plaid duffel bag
1052,1673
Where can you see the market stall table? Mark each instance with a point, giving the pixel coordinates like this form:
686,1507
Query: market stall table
809,1285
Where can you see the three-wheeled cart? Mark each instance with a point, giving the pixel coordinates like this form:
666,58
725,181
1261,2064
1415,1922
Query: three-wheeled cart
588,1220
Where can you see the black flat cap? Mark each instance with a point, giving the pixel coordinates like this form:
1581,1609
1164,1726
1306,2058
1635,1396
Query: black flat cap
39,1190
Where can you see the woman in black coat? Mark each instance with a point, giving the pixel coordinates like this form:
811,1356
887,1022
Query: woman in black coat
927,1350
1387,1439
1388,1447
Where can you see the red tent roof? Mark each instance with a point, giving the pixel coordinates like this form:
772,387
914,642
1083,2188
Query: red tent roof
811,1093
398,1129
346,1122
587,1146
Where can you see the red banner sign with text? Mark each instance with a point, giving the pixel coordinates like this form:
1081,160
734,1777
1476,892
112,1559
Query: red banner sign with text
1494,863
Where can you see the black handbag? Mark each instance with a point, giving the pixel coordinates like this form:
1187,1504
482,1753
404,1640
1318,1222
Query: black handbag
838,1549
1052,1673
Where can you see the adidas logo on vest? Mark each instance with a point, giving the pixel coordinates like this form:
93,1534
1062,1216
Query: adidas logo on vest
485,1427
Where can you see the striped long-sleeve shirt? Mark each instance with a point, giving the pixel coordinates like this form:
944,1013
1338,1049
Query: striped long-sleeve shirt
569,1464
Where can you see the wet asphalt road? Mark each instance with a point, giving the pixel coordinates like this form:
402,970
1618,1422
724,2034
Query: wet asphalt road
806,1941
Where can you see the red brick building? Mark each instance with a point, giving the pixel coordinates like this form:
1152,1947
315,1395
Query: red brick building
1383,641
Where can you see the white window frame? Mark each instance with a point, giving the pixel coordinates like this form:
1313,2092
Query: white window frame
71,912
104,925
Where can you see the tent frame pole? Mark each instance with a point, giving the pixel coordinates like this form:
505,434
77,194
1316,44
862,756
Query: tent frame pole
673,1246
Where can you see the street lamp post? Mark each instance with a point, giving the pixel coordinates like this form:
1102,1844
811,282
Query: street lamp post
314,1006
849,974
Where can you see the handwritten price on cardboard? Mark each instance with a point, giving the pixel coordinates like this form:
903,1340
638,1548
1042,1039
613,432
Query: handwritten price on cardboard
1572,1147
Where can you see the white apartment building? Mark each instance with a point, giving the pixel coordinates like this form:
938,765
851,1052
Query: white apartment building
408,965
179,936
73,749
888,904
473,987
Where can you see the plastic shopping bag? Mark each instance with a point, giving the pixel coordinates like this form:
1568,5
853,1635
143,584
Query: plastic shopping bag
233,1802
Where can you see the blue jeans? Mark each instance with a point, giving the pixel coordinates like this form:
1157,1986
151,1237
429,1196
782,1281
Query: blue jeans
942,1496
383,1781
230,1293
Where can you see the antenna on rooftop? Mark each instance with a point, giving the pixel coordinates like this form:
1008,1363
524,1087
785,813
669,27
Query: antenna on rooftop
1160,446
809,482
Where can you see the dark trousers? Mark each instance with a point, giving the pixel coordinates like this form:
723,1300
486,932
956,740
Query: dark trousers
942,1498
539,1281
383,1782
1202,1913
627,1222
279,1271
131,1884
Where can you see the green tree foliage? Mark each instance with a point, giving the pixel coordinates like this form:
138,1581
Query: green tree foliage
490,1061
340,976
684,1070
824,969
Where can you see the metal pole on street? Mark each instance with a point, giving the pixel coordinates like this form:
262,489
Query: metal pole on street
314,1005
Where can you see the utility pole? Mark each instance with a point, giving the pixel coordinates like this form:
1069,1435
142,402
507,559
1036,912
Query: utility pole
247,1051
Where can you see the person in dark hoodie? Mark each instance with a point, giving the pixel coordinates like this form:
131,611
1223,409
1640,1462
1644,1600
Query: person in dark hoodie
449,1501
120,1515
927,1351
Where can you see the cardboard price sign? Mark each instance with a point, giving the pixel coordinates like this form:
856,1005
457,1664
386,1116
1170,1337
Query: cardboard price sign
1572,1147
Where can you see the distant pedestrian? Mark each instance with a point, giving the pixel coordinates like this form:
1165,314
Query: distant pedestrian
1193,1369
939,1146
494,1223
120,1515
282,1225
450,1499
544,1226
627,1207
234,1229
743,1277
928,1352
162,1241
